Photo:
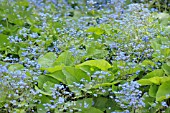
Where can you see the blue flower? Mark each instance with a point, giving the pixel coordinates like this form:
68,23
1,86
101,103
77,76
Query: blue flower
145,39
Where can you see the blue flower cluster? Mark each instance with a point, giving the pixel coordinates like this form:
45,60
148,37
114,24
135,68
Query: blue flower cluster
129,96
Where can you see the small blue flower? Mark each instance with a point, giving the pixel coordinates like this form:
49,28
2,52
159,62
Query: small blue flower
60,100
145,39
164,104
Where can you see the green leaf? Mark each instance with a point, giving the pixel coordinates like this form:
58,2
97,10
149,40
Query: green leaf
43,92
150,81
148,100
165,52
101,103
35,29
15,67
65,58
47,86
92,110
155,73
148,62
164,18
23,3
89,69
74,75
163,91
103,85
40,107
20,111
94,52
153,90
100,63
95,30
168,63
47,60
155,45
84,104
165,79
166,68
44,78
53,69
59,76
3,40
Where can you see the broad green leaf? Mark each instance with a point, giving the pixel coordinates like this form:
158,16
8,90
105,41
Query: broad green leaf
148,100
3,40
101,103
47,86
23,3
89,69
74,75
166,68
94,52
40,107
15,67
165,52
42,92
35,29
164,18
58,75
20,111
100,63
168,63
155,45
92,110
53,69
103,85
153,90
95,30
155,80
163,91
84,104
65,58
165,79
91,51
150,81
44,78
133,70
47,60
155,73
114,88
148,62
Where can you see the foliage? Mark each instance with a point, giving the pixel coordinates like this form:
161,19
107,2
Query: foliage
58,56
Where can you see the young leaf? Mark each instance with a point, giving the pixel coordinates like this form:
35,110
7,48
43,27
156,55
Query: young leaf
153,90
92,110
166,68
3,39
74,75
95,30
163,91
100,63
157,72
65,58
154,80
58,75
15,67
47,60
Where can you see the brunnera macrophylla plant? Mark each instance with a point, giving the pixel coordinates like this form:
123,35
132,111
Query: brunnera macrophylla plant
85,56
